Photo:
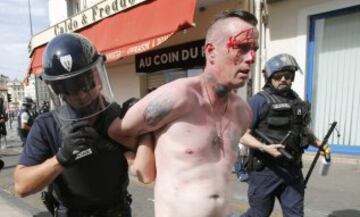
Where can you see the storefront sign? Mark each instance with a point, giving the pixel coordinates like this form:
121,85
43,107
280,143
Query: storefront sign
85,18
188,55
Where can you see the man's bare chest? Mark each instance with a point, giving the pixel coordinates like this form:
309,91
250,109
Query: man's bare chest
201,134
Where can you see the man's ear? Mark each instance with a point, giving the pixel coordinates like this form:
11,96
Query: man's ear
210,52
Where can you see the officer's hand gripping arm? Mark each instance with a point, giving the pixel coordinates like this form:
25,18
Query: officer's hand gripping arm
77,143
151,113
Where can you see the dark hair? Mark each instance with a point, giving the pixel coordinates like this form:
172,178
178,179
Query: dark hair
244,15
127,104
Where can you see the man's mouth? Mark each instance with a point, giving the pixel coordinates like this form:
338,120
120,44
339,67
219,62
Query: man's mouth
244,74
244,71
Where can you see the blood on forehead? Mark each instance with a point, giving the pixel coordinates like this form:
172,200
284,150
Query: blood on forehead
244,37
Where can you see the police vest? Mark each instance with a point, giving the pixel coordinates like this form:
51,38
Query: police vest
284,114
22,132
96,182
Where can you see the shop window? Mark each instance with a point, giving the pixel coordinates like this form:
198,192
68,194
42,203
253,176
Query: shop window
333,78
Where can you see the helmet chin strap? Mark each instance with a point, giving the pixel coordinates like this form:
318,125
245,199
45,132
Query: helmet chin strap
84,112
90,109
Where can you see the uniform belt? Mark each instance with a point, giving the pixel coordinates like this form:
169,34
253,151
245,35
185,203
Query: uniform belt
120,209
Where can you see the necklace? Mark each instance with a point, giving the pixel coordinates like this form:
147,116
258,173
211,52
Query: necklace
218,140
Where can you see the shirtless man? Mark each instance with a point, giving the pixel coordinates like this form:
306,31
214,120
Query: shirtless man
197,123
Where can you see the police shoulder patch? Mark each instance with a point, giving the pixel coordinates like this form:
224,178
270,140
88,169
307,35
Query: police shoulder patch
281,106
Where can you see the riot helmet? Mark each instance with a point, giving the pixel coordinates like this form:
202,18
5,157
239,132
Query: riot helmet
281,62
76,76
28,102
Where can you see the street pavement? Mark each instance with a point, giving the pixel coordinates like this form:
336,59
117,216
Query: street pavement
334,195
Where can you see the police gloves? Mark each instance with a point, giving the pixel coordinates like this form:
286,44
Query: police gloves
109,115
79,141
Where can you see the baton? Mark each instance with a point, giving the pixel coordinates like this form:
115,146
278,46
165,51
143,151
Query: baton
331,129
286,154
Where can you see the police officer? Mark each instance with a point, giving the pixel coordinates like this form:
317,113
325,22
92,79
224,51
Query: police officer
277,112
3,132
68,148
3,118
25,118
45,107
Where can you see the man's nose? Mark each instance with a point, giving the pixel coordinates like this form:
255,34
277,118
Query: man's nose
250,57
283,78
81,94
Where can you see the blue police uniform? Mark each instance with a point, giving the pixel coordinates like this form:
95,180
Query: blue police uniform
94,186
271,178
23,133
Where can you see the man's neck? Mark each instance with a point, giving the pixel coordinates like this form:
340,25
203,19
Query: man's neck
217,92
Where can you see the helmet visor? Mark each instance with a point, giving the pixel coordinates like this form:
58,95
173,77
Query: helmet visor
282,62
83,95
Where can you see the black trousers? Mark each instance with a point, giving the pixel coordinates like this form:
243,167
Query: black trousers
123,209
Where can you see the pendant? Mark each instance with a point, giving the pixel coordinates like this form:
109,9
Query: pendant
218,141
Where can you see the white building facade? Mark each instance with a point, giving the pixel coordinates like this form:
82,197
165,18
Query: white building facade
323,35
16,89
3,87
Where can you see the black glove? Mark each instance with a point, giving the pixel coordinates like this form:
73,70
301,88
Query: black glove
79,141
108,116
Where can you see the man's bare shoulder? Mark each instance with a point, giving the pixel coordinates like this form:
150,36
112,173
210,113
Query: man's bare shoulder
239,102
242,108
170,100
183,88
187,82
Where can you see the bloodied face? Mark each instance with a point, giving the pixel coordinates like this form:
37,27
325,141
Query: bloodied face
234,55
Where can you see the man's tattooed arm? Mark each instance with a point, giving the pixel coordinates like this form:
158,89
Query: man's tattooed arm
157,110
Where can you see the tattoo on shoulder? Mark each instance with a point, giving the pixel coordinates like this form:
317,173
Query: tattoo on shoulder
157,109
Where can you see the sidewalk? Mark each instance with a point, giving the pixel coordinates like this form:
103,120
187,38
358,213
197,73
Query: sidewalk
11,206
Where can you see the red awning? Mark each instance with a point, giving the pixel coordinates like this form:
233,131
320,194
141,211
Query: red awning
133,31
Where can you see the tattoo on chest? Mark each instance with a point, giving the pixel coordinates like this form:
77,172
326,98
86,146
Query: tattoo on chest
157,109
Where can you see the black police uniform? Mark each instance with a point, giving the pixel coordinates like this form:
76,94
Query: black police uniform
94,186
269,178
4,116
